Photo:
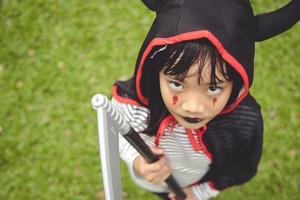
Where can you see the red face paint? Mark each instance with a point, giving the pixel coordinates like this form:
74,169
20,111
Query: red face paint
175,99
214,101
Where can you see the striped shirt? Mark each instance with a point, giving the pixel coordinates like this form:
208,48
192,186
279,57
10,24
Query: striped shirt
187,165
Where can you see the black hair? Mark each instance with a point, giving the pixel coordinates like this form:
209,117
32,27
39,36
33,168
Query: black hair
176,60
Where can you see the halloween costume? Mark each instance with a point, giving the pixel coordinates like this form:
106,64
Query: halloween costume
225,152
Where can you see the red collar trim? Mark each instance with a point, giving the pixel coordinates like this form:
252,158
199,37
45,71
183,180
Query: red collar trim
163,125
200,134
197,146
192,139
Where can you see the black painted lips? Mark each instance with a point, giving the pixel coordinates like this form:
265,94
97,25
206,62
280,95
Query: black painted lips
192,120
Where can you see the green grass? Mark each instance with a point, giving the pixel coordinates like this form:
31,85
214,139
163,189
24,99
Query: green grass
55,55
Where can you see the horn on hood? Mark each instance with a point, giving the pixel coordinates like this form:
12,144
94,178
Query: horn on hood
273,23
151,4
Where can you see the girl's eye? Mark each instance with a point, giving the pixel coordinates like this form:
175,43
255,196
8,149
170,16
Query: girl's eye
175,85
214,90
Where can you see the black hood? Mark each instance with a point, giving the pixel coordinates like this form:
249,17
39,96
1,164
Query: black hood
229,25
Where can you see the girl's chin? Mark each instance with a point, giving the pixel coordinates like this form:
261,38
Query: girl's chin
191,125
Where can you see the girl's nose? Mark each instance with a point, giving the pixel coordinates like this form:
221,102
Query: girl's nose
192,106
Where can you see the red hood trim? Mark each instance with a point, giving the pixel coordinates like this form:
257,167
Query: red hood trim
192,36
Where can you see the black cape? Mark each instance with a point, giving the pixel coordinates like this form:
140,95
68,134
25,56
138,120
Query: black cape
235,137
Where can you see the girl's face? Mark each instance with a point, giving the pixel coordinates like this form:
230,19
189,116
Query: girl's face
192,104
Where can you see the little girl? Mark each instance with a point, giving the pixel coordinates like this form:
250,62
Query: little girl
189,97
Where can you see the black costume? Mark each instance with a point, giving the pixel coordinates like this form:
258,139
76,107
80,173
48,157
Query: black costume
235,137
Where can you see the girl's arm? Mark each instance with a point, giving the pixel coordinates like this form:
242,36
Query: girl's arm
142,171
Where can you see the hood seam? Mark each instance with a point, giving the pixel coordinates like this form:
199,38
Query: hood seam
226,44
179,17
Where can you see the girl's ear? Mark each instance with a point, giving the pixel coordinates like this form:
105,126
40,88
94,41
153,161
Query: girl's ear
273,23
151,4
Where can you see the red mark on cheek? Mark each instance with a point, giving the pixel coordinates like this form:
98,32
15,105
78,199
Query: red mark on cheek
175,99
214,101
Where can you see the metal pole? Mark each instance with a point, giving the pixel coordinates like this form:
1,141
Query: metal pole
115,121
109,152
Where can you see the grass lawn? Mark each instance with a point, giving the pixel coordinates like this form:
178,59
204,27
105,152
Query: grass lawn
55,55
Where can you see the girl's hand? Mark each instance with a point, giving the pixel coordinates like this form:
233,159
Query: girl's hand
156,172
187,191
